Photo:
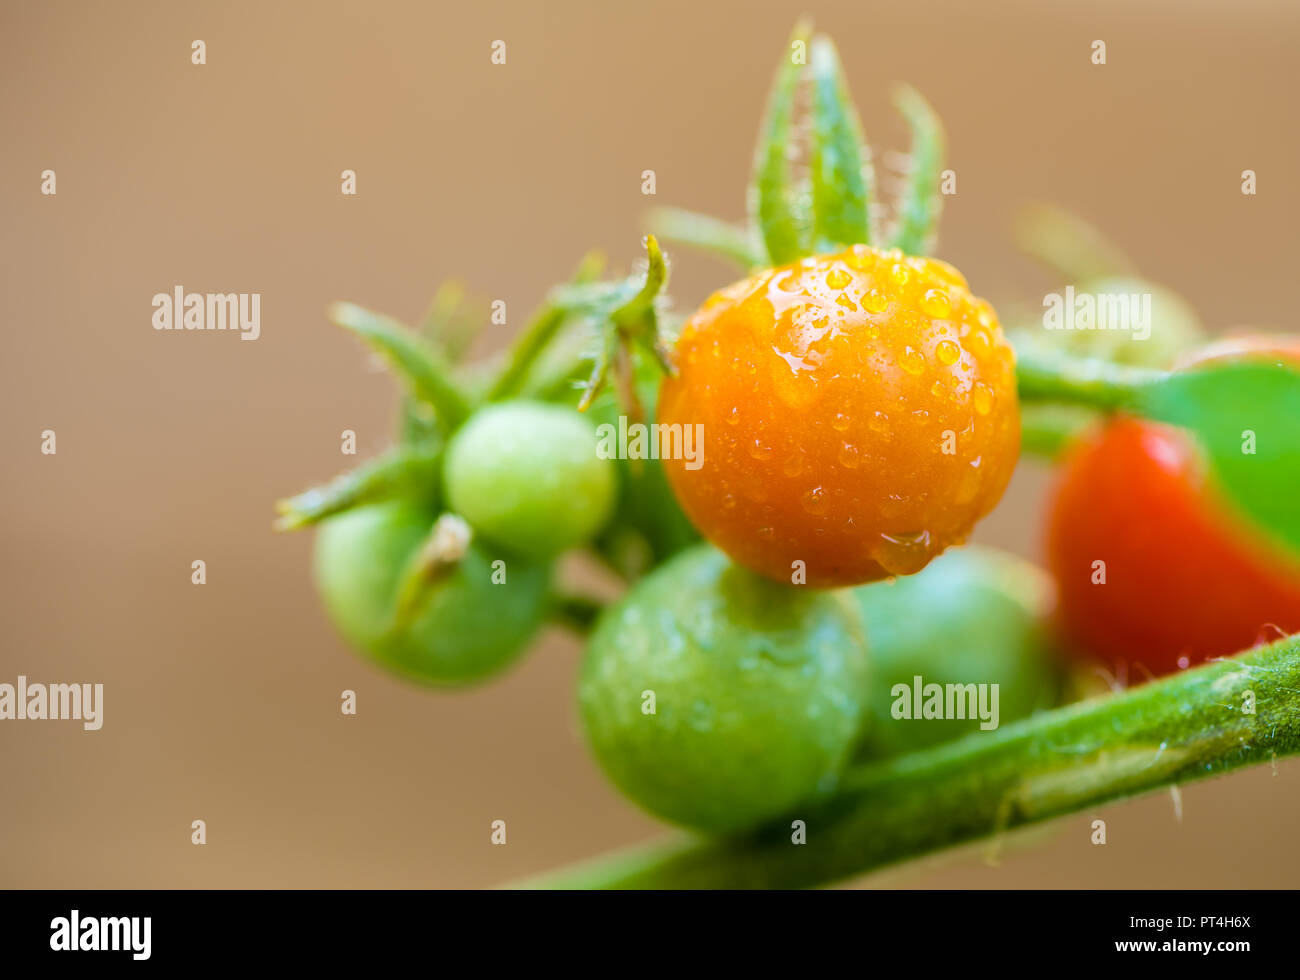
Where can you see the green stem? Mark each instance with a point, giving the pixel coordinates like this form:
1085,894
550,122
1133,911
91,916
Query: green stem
1047,429
708,234
535,338
1044,376
539,334
406,470
1184,727
576,612
423,368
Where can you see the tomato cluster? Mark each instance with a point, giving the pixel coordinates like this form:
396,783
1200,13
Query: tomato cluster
861,412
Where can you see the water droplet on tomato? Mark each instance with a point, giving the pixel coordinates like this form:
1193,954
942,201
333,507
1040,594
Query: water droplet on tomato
912,360
814,501
875,301
935,303
902,554
947,352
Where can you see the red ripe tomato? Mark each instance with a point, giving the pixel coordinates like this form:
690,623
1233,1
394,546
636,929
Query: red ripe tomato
1183,576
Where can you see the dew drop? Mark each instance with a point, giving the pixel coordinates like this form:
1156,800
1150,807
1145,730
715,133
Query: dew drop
733,416
947,352
849,456
900,273
814,501
760,450
838,279
879,424
978,342
875,301
792,466
902,554
860,257
935,303
912,360
982,396
767,533
841,422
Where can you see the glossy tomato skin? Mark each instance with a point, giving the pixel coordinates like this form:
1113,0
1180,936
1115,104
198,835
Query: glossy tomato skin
858,415
470,626
1183,576
529,476
758,692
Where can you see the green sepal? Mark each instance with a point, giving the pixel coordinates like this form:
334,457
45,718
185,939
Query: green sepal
632,321
841,177
776,207
921,202
406,471
708,234
422,368
1068,245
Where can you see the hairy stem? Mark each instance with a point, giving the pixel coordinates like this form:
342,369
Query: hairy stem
539,334
1044,376
709,234
425,370
1218,717
405,470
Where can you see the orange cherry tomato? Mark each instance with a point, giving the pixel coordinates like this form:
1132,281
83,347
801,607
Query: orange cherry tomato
859,415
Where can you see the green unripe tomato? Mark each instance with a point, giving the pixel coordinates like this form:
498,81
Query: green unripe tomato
756,692
527,475
648,526
972,616
469,627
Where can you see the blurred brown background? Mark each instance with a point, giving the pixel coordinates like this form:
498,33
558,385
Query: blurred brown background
221,702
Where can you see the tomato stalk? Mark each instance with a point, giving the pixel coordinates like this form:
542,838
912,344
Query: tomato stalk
1051,376
403,471
710,234
539,334
1219,717
422,367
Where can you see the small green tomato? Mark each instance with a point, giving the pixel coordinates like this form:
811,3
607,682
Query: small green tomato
528,476
468,628
972,616
718,700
